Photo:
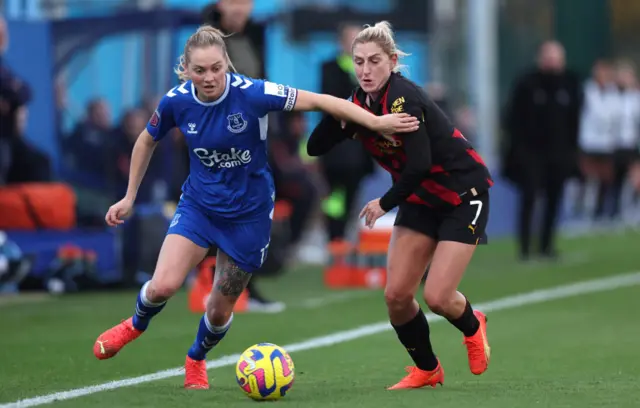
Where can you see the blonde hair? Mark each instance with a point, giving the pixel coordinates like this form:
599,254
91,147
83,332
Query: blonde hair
205,36
382,34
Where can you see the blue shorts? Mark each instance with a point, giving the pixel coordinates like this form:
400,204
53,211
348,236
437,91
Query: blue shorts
246,241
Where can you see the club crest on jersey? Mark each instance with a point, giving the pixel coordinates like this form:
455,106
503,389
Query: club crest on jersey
236,123
175,221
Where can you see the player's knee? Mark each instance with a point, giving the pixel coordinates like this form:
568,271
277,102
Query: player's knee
398,299
219,309
218,316
438,300
161,290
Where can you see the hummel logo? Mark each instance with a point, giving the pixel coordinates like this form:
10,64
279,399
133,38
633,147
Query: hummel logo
209,343
240,81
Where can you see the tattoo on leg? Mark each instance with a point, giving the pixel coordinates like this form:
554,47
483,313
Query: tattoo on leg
231,280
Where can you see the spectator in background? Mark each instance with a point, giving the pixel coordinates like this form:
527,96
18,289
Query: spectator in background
177,152
628,132
149,104
598,119
89,157
155,187
343,177
28,163
20,161
438,93
542,126
293,180
246,44
89,145
464,119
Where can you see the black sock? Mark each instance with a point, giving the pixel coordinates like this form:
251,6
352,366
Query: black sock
468,323
414,336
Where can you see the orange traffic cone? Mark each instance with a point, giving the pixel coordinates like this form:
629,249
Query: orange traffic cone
242,304
201,288
199,292
371,271
339,273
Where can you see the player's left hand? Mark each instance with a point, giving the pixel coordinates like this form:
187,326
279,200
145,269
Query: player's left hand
371,212
396,123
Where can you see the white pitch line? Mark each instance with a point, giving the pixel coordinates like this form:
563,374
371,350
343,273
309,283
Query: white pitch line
314,303
510,302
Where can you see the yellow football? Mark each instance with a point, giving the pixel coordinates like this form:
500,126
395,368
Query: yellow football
265,371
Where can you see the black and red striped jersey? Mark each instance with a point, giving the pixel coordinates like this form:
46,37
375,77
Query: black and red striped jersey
456,169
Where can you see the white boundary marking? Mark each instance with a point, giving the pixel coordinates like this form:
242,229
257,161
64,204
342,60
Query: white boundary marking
340,297
510,302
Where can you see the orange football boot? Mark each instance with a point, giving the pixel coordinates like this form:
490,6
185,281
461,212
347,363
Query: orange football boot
478,349
195,374
418,378
113,340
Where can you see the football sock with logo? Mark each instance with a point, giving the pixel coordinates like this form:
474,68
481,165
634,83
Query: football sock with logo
414,335
467,323
145,309
208,336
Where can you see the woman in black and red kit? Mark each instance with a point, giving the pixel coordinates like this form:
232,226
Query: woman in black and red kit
441,188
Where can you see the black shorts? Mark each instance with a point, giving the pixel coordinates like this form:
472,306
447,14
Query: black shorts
466,223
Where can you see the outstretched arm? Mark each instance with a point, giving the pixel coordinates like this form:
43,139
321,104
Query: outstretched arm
346,110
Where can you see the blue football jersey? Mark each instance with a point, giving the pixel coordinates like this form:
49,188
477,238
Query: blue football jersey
227,140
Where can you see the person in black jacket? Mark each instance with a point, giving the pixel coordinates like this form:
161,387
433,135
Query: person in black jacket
20,161
343,177
542,146
441,188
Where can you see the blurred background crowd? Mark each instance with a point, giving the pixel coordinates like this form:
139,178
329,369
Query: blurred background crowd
546,90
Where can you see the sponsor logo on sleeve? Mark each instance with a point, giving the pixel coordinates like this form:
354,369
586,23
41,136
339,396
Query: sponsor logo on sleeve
271,88
155,119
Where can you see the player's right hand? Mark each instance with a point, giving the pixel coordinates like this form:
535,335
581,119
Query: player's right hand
117,212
